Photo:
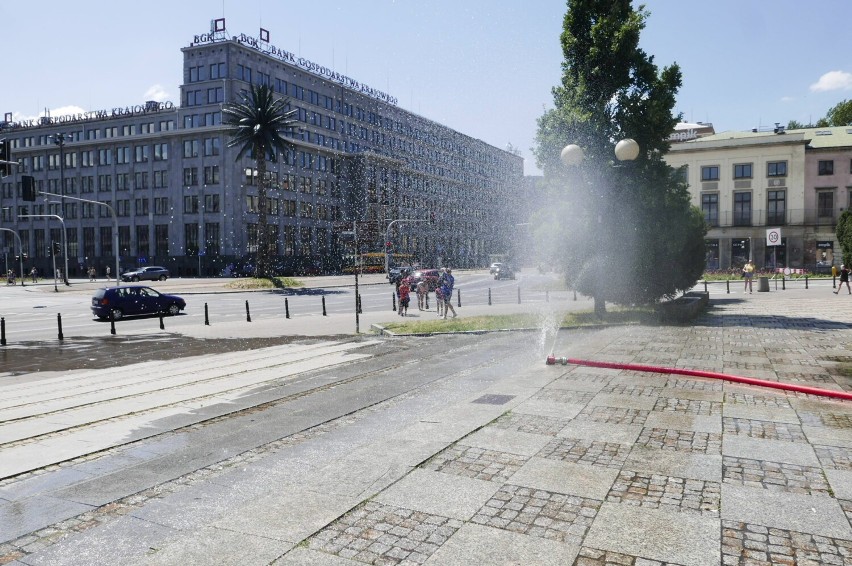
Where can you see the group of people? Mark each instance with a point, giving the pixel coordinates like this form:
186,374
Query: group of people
443,294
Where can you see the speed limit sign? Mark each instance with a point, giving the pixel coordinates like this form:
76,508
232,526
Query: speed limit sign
773,237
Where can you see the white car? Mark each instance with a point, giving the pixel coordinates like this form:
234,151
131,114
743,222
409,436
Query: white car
495,267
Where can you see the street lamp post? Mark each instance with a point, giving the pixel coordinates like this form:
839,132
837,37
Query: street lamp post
572,155
59,140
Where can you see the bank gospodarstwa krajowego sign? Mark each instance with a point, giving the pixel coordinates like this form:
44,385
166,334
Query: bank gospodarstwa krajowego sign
65,119
217,33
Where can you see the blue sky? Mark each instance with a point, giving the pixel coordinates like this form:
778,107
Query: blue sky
482,67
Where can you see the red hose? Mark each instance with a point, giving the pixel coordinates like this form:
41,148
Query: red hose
552,360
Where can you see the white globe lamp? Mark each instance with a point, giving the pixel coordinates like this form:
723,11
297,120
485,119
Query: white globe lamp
627,150
572,155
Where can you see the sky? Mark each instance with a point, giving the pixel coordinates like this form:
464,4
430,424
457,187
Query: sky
482,67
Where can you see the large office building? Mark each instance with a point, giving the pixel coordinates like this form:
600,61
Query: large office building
773,196
183,200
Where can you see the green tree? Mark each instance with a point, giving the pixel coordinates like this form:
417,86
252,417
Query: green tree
840,114
844,235
631,236
258,124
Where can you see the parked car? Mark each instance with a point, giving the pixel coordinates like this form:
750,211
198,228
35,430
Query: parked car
149,273
505,271
398,274
494,267
429,275
134,300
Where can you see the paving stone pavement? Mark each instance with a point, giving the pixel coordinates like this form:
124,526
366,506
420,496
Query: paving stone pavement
547,465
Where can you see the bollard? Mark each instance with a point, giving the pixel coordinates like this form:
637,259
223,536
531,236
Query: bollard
519,294
206,316
393,298
360,308
162,326
323,306
427,300
547,295
575,294
286,308
2,331
705,286
728,285
111,323
489,296
806,281
783,283
833,281
248,314
59,324
458,297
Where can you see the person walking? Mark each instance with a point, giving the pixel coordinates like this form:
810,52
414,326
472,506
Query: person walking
439,292
844,278
422,291
34,274
748,274
404,293
447,291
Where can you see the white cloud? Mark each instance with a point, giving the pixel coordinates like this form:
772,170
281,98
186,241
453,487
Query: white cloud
833,80
786,99
156,92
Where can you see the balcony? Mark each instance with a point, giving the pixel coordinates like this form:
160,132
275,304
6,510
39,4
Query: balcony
789,217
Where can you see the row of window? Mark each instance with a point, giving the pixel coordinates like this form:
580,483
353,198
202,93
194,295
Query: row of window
773,169
95,134
776,207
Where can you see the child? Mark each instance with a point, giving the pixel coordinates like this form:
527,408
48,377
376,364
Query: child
404,297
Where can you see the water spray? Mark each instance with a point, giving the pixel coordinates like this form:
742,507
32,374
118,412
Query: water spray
553,360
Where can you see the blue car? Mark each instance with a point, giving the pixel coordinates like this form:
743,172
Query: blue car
134,300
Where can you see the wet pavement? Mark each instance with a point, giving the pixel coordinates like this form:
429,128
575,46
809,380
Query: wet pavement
494,459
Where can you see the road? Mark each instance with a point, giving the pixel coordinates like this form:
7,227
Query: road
31,313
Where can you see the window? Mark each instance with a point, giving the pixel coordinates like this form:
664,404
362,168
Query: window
243,73
190,233
216,94
143,245
161,239
104,157
190,148
122,182
161,179
194,98
140,180
104,182
776,207
128,130
122,154
190,176
161,151
218,71
710,173
742,209
776,169
122,208
825,203
87,158
140,153
211,238
211,203
825,168
161,205
742,171
141,207
211,175
212,146
190,204
710,208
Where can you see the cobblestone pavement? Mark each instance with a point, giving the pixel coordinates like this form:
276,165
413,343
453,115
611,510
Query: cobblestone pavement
549,465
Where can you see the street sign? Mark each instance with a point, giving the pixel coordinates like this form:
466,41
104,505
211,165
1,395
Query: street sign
773,236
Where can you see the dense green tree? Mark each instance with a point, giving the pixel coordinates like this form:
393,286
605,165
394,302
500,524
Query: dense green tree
258,124
844,235
840,114
628,233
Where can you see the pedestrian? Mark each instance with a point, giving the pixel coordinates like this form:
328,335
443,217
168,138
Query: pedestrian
59,275
422,292
10,277
34,274
92,274
439,292
844,278
404,294
748,274
447,291
107,273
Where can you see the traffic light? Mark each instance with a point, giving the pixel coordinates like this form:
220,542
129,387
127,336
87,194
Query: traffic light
388,245
28,190
57,248
5,154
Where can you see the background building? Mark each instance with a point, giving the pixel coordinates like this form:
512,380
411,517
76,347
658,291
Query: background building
797,181
184,201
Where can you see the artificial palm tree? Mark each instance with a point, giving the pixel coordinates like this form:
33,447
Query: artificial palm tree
258,124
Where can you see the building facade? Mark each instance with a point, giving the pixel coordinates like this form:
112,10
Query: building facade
793,183
183,199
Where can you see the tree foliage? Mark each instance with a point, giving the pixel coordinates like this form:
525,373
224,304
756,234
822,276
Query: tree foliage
257,124
839,115
844,235
631,235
